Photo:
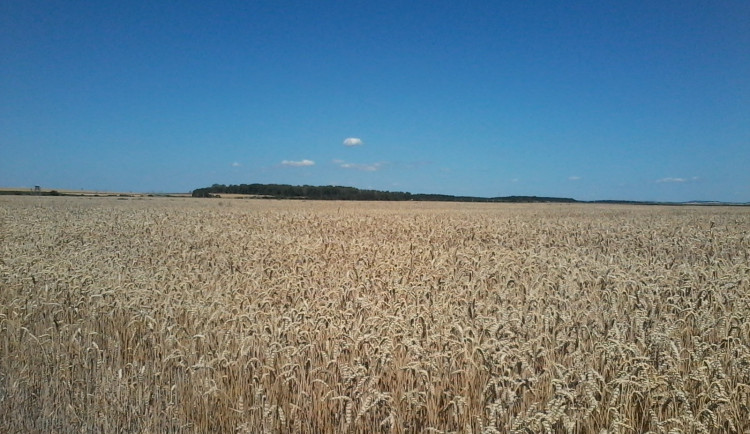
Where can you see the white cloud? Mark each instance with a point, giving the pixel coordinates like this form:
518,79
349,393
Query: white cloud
301,163
671,180
353,141
236,164
574,178
363,167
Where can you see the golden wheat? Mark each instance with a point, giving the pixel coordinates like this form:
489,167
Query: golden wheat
187,315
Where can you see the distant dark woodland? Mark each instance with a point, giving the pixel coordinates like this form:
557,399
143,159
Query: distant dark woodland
330,192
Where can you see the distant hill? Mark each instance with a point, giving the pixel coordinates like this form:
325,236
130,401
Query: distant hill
331,192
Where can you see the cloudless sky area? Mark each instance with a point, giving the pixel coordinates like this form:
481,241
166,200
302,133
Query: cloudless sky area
630,100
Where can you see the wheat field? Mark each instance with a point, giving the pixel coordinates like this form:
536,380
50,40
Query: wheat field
248,316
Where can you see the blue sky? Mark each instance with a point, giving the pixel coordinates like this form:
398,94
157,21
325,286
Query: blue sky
590,100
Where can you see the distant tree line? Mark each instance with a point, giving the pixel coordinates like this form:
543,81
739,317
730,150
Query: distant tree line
31,193
331,192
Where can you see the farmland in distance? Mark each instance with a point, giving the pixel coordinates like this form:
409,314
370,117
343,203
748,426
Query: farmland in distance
215,315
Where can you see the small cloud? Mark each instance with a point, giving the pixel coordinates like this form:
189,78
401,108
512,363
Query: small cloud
514,180
236,164
353,141
574,178
671,180
301,163
363,167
